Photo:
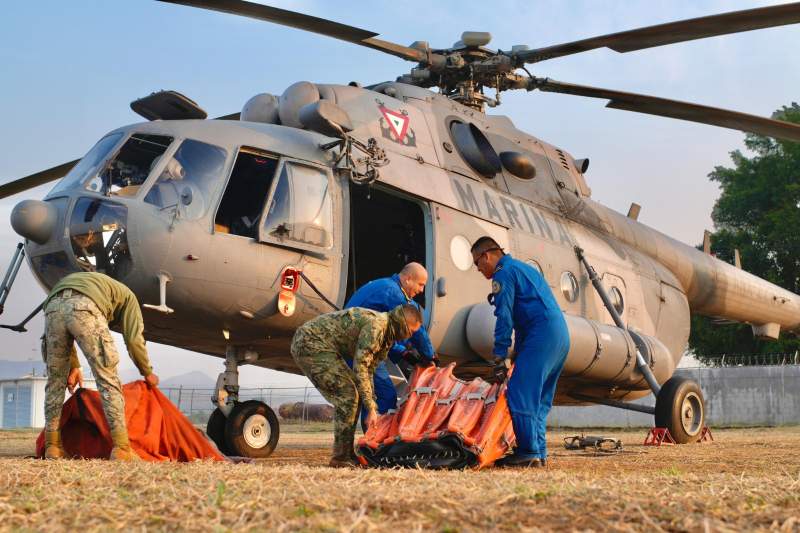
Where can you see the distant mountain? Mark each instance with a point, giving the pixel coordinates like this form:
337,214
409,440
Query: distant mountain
17,369
189,380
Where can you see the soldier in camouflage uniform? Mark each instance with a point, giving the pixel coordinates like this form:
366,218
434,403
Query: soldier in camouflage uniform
80,308
321,347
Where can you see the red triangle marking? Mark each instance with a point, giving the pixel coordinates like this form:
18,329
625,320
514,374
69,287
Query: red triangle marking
398,122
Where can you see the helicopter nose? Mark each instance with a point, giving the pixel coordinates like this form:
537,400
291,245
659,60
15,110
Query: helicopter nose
34,220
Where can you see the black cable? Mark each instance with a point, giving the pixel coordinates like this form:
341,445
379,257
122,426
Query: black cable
315,289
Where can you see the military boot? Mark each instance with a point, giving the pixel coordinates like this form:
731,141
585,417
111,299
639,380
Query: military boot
343,454
52,445
122,450
344,458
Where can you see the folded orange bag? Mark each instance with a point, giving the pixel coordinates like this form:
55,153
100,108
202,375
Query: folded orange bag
157,430
443,422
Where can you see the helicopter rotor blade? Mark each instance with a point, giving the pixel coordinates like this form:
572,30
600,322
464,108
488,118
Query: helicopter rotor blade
301,21
673,32
664,107
34,180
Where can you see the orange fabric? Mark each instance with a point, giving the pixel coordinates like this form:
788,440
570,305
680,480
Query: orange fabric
157,430
439,405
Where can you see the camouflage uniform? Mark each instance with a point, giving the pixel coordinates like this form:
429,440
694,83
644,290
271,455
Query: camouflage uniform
79,308
74,316
320,347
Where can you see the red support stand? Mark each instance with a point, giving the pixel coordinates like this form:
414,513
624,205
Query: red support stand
706,435
658,436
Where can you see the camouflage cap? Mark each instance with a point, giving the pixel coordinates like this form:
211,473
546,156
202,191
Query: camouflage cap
398,328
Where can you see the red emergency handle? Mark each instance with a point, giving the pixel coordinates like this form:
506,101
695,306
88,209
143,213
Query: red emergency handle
290,280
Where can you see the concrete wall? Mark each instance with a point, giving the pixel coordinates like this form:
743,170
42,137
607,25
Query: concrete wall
735,396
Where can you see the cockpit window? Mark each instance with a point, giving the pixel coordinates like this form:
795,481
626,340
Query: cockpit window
90,164
243,202
99,236
301,209
125,174
188,178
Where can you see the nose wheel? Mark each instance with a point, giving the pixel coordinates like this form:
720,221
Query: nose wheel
244,429
680,408
251,430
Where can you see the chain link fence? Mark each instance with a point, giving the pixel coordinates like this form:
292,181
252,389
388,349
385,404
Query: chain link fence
196,403
727,360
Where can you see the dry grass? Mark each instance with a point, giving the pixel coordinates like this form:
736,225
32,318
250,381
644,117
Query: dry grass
748,479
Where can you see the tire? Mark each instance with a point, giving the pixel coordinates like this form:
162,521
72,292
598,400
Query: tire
680,407
215,429
252,430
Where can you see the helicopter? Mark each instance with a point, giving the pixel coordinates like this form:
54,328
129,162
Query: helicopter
235,231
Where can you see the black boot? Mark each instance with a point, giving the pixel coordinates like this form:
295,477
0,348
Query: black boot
343,454
520,461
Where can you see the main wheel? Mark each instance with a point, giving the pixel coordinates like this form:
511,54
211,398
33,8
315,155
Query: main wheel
681,409
252,430
215,429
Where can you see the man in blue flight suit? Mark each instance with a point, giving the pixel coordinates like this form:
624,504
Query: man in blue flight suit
524,302
383,295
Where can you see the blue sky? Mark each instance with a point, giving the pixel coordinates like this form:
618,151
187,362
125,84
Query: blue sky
68,71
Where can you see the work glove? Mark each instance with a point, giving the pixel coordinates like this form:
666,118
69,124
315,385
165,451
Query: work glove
413,357
435,361
500,370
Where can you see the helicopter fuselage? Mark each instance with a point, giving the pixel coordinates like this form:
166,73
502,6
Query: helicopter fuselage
222,208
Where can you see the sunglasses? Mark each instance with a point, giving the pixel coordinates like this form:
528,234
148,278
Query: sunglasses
478,259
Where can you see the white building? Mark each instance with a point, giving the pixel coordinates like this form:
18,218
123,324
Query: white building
22,401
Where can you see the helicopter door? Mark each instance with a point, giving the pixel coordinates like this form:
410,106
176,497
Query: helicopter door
304,213
457,283
387,231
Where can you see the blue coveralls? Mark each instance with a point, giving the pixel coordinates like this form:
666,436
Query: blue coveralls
383,295
523,301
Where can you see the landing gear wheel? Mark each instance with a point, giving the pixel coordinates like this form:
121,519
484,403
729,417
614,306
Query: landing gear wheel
252,430
681,409
216,430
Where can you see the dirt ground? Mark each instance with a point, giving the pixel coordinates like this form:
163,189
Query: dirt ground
748,479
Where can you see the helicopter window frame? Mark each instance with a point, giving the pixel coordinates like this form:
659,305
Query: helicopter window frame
125,136
570,288
491,160
233,156
617,299
159,160
160,168
334,200
72,181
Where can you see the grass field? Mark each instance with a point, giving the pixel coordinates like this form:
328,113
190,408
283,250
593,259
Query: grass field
749,479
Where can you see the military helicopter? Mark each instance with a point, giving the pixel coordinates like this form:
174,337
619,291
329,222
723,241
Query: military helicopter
233,232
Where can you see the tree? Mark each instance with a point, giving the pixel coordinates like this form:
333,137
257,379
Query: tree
758,212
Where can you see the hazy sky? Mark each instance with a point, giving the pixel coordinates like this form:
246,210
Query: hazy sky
68,71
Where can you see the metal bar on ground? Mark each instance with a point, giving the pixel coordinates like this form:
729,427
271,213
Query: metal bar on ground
615,403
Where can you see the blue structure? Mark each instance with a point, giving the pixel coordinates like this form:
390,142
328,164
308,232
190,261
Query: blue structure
383,295
525,304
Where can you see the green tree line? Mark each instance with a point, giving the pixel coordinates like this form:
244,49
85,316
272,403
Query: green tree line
758,213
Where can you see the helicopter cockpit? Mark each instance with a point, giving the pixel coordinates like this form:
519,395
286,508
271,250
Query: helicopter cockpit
143,167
